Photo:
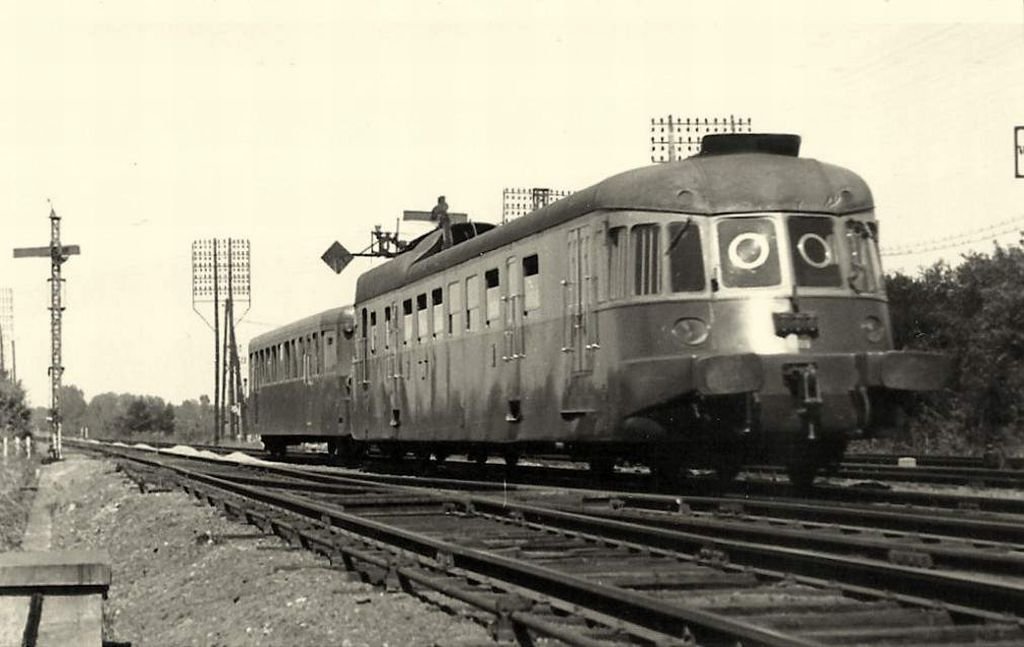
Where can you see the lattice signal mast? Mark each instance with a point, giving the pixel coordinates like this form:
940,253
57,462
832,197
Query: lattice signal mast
221,272
58,255
517,202
675,138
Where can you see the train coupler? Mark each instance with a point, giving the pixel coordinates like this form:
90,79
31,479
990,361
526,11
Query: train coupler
802,380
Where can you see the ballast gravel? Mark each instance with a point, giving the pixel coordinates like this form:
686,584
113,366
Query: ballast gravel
184,575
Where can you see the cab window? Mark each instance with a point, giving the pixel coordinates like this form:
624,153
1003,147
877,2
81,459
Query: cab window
646,259
812,242
748,253
685,257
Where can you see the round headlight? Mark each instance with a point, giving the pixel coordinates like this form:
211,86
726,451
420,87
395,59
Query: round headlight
749,250
691,331
873,329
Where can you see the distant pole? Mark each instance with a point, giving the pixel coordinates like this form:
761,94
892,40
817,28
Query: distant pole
216,347
229,341
58,255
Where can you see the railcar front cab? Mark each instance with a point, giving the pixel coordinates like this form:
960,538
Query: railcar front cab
778,338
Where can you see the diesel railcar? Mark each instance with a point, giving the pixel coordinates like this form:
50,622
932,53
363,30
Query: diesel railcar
693,313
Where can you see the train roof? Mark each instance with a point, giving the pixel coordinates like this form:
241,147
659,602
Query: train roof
742,174
345,315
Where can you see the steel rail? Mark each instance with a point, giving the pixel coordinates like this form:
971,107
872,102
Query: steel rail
672,620
959,590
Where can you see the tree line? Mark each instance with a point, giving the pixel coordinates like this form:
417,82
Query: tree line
124,415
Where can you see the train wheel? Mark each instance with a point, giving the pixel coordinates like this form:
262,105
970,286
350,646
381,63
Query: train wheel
801,472
666,471
478,457
729,462
276,446
333,449
511,459
602,467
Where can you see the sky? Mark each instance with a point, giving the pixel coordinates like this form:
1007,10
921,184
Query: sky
148,125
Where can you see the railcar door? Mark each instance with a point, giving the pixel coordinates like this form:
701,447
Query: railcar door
307,382
393,376
580,339
580,328
514,347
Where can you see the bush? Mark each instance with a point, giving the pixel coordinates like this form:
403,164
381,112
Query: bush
975,313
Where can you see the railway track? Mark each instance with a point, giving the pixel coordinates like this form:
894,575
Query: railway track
611,571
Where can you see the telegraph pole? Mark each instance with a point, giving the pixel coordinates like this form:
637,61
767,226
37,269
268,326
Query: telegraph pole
58,255
221,275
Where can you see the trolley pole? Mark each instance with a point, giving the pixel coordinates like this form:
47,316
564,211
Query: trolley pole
58,255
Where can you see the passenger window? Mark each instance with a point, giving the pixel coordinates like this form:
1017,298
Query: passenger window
617,267
388,330
646,268
531,283
422,332
454,308
373,331
331,356
437,310
493,296
316,354
685,257
748,252
407,321
472,303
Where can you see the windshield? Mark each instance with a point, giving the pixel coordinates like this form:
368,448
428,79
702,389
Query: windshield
812,243
749,252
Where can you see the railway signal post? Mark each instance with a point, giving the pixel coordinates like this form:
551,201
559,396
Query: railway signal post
58,254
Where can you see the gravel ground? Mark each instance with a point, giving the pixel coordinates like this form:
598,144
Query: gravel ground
17,483
183,575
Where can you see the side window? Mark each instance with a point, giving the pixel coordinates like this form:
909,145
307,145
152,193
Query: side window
685,257
407,321
472,303
437,310
617,268
863,274
331,351
388,327
317,354
493,303
646,268
454,308
422,330
531,283
373,331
